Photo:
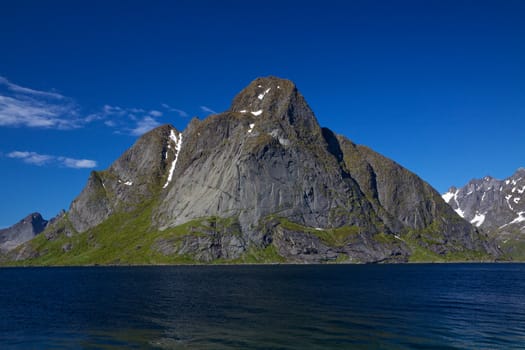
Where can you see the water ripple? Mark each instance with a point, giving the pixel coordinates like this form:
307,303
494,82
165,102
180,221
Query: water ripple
472,306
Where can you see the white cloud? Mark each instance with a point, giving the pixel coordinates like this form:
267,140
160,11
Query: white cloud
136,110
133,121
180,112
37,114
25,107
144,125
21,106
31,157
27,91
208,110
77,163
107,109
155,113
35,158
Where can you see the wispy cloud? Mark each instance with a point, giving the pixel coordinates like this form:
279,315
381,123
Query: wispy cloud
24,90
180,112
133,121
22,106
31,157
25,107
35,158
155,113
144,125
77,163
208,110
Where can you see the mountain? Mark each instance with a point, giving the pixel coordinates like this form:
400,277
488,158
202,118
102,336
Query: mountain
497,206
261,182
21,232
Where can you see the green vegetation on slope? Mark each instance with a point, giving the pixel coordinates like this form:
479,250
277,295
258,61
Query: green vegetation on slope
429,245
513,249
126,238
336,237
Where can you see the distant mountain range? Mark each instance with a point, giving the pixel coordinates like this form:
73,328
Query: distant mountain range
496,206
259,183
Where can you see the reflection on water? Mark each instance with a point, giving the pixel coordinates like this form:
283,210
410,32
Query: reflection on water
265,307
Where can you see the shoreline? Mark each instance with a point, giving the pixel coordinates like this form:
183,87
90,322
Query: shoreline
266,264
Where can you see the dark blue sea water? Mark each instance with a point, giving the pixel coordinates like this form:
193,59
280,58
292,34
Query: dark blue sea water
456,306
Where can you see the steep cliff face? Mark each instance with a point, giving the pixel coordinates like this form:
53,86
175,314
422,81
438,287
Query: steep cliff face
406,203
132,179
265,156
496,206
261,182
264,160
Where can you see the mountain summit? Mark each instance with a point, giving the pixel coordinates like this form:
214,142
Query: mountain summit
497,206
277,100
21,232
261,182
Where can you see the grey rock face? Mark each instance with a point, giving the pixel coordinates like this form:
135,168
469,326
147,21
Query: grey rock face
267,169
129,181
301,247
492,204
211,241
266,155
304,247
23,231
404,201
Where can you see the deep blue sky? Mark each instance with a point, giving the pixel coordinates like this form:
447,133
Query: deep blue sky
438,86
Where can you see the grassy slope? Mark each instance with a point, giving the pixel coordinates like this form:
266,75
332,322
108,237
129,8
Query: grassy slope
126,238
513,249
418,246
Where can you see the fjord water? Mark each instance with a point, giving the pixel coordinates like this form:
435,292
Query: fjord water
456,306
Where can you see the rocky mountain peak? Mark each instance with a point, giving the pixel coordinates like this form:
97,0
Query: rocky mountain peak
264,94
21,232
262,178
37,221
272,97
491,203
275,100
496,206
452,189
132,178
520,173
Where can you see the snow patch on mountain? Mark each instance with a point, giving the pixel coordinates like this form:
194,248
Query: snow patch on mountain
490,203
448,196
178,145
460,212
520,218
478,220
261,96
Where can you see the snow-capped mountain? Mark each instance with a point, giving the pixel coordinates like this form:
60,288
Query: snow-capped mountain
492,204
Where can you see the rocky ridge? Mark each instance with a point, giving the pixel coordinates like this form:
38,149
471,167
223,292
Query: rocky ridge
496,206
261,182
21,232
